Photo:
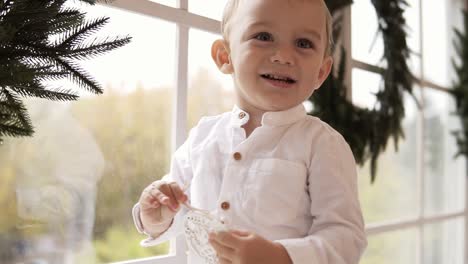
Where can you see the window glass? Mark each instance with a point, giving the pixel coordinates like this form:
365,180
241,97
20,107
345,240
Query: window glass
445,175
443,242
366,45
66,193
209,8
393,247
438,38
210,91
365,85
396,170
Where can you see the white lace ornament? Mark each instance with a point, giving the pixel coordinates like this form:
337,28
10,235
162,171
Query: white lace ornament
198,224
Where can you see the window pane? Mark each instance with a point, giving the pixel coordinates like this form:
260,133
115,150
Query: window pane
365,85
364,29
209,8
399,247
445,176
396,171
210,91
438,37
368,47
69,190
444,242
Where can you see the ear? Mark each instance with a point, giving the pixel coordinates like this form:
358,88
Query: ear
324,70
220,55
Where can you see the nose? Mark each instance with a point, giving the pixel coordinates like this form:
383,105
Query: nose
283,55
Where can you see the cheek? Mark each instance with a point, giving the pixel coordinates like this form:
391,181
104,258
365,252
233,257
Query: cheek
247,68
312,75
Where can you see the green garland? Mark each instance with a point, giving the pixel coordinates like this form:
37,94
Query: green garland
460,87
368,130
28,56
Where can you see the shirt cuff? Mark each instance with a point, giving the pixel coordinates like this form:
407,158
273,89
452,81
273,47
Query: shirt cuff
173,230
300,251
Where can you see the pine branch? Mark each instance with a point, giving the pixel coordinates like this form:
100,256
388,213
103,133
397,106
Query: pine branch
27,57
79,76
19,119
13,130
39,91
95,48
81,32
65,20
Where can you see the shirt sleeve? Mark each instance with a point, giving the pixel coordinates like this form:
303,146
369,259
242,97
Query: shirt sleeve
173,230
181,173
337,234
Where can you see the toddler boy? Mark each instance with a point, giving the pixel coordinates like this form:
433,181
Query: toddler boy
282,181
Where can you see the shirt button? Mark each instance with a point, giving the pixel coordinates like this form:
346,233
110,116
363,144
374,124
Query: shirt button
241,115
225,205
237,156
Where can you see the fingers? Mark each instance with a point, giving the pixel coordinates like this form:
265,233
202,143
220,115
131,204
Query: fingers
226,239
224,260
178,193
149,197
241,233
162,193
174,195
224,253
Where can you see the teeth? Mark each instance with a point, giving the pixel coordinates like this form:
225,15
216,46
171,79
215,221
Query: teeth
277,77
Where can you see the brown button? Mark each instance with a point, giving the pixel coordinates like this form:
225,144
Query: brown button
225,205
241,115
237,156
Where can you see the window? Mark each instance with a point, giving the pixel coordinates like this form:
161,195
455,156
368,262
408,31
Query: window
416,212
69,189
205,80
95,156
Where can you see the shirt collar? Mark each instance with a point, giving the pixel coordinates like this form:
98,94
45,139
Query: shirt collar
240,117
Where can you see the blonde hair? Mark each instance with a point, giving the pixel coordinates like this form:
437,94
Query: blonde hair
232,5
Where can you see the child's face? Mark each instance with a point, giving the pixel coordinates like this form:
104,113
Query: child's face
276,50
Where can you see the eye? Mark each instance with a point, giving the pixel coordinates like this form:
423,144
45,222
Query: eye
304,44
264,36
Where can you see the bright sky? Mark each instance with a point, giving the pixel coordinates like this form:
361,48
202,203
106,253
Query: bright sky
150,58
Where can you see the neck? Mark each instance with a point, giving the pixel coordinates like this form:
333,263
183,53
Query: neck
255,119
251,125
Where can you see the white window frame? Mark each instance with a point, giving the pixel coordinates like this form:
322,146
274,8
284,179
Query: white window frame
421,220
184,21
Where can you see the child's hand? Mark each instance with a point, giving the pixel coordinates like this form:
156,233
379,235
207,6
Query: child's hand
241,247
159,202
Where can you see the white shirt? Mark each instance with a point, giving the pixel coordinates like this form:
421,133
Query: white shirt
293,181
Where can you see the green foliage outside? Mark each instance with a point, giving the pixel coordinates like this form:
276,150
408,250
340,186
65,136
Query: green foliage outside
120,244
132,131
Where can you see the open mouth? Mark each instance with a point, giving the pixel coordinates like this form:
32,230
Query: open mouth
278,78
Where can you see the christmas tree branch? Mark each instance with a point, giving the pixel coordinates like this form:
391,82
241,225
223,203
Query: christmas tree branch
81,32
28,57
79,76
